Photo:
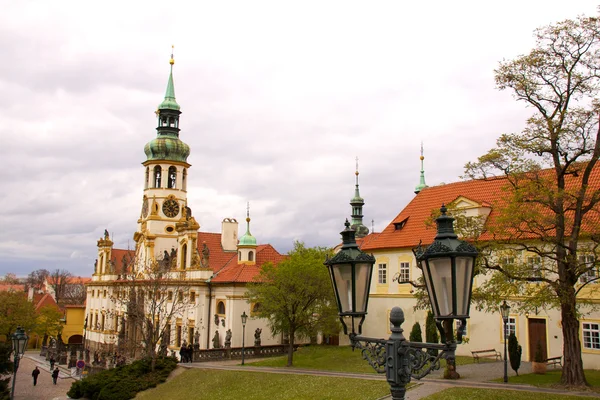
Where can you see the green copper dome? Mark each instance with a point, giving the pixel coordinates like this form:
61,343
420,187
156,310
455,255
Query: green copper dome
247,239
167,148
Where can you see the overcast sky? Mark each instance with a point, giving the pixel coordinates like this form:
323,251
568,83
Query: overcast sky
278,98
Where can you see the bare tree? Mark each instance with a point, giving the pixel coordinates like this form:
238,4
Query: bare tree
149,298
36,279
74,293
59,279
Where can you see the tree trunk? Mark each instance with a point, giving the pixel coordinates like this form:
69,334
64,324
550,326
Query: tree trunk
572,372
290,360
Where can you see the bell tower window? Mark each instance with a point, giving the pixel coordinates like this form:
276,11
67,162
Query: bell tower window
157,176
184,179
147,177
172,183
184,256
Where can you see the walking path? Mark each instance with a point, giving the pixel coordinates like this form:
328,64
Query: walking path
472,375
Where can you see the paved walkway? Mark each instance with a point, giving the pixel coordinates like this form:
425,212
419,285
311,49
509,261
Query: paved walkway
45,389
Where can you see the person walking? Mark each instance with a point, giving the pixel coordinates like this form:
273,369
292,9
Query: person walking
35,374
52,361
55,375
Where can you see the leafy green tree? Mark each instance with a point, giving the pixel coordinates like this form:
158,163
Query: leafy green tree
48,322
16,310
550,204
6,367
415,333
296,295
514,353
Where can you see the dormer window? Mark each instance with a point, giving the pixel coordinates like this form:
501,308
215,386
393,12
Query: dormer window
400,225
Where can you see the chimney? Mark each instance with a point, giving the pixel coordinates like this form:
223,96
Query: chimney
229,234
30,294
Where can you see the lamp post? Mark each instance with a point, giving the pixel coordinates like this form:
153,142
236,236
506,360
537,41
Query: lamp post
19,343
244,319
505,310
447,266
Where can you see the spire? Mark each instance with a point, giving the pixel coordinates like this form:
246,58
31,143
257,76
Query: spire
357,204
169,102
167,146
247,239
422,185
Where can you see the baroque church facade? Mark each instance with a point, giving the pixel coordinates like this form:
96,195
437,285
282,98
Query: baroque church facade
209,271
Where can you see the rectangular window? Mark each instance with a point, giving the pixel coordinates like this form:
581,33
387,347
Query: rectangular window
382,274
591,336
535,265
170,296
104,293
178,336
193,297
511,326
587,261
180,296
404,272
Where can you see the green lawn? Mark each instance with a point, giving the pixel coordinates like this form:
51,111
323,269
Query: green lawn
234,385
552,377
494,394
333,358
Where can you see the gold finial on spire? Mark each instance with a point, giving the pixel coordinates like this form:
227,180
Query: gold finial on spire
356,173
172,60
422,158
248,212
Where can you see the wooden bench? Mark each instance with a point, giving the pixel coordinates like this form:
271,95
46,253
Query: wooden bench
554,361
486,353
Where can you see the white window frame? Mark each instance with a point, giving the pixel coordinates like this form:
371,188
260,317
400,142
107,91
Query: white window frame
535,263
382,273
511,327
404,274
591,335
592,273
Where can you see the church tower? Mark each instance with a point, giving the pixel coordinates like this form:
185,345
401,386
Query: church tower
164,203
357,204
247,244
422,185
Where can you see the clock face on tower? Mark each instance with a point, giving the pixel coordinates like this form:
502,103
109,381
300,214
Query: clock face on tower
170,208
145,208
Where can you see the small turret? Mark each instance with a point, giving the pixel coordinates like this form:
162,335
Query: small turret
247,243
422,185
357,204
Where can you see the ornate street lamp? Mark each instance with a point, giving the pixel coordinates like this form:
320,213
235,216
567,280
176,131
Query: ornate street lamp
244,319
447,266
19,343
505,312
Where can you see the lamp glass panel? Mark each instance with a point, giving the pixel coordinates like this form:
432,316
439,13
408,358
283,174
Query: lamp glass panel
464,273
432,300
363,279
342,274
23,344
441,279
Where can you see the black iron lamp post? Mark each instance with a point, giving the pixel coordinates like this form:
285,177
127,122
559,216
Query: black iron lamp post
19,344
505,311
244,319
447,266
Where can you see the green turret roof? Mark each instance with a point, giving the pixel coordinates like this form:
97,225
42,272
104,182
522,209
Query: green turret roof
247,239
357,204
169,103
422,185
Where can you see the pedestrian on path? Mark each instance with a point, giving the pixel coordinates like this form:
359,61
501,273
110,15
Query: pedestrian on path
55,375
35,374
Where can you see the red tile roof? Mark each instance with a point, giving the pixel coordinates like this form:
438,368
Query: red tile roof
218,257
244,273
485,192
9,287
121,259
44,300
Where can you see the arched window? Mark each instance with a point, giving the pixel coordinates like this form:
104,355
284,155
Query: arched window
101,269
147,178
250,256
184,180
172,183
221,308
184,256
239,256
157,176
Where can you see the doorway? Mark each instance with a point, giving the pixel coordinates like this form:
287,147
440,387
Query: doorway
537,333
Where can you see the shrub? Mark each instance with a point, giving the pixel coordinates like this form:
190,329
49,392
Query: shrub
415,333
431,333
514,352
124,382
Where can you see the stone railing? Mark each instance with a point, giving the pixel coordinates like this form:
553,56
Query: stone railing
235,353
